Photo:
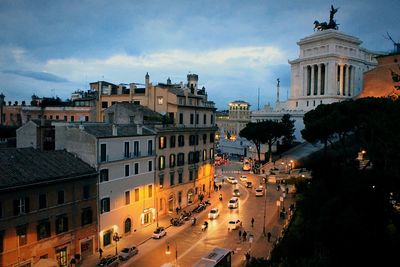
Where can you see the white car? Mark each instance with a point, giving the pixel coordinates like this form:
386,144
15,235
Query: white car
128,252
233,203
234,224
232,180
213,214
159,232
243,178
259,192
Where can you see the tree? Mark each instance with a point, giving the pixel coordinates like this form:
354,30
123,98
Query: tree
288,130
253,132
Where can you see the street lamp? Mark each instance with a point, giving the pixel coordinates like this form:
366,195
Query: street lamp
116,238
265,203
168,251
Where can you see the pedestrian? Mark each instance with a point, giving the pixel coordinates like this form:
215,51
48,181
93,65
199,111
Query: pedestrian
247,256
100,252
240,235
219,187
252,222
177,210
222,180
287,190
244,235
269,236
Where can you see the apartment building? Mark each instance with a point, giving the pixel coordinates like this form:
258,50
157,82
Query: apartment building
48,207
124,155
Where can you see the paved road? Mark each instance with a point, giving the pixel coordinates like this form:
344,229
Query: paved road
192,243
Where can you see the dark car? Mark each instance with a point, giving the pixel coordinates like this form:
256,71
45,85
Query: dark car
109,261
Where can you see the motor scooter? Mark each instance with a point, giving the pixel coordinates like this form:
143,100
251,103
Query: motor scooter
193,221
204,226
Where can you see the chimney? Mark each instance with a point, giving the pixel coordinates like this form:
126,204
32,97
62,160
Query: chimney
139,129
114,130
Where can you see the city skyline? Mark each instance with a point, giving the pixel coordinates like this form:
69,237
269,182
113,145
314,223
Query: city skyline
55,48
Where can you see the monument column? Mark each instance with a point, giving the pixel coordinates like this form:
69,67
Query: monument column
312,80
326,86
319,79
346,81
340,79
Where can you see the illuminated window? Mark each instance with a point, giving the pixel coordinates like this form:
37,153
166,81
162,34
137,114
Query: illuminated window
162,142
160,100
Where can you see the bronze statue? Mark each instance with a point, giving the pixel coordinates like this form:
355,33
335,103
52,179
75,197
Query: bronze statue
320,26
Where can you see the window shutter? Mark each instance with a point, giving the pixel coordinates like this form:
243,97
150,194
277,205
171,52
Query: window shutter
27,205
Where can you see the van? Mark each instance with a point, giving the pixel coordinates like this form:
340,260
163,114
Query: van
233,203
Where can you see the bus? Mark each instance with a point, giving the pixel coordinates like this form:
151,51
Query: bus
218,257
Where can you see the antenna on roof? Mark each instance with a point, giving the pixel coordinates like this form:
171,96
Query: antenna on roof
395,44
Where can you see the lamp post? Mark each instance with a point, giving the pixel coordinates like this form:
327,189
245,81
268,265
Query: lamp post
168,251
265,203
116,238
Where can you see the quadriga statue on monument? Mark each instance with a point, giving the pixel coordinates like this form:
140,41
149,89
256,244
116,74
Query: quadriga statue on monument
320,26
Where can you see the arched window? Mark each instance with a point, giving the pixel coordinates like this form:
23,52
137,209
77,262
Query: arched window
128,225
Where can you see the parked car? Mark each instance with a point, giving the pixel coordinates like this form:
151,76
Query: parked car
159,232
109,261
213,214
243,178
236,192
128,252
233,203
259,192
249,184
234,224
232,180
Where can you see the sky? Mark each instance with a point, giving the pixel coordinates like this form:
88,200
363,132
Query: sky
238,48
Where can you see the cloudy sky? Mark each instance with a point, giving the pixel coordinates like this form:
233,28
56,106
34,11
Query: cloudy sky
52,48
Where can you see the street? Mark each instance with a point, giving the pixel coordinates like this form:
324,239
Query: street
192,243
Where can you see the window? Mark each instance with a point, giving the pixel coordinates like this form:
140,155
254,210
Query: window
204,138
65,118
211,153
104,104
191,158
43,229
150,147
105,205
126,150
72,118
212,119
204,119
61,224
126,170
136,151
196,156
57,117
127,197
127,225
192,140
190,175
211,137
204,154
86,191
60,197
87,216
42,201
160,100
180,177
136,168
180,197
103,175
161,180
171,178
131,119
150,190
136,194
172,160
86,118
162,142
191,118
181,159
172,141
161,162
103,152
150,169
21,233
180,118
181,140
21,206
197,118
